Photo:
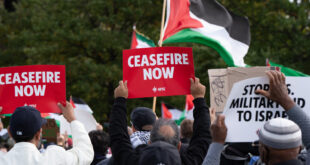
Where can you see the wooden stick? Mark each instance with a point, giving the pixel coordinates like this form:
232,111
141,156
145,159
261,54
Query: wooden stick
160,42
154,104
162,24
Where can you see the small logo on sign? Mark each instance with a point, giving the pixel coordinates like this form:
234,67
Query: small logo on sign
154,89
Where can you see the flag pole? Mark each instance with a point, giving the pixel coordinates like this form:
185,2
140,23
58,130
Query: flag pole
160,42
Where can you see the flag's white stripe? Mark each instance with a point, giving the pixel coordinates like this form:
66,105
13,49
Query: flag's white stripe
142,44
235,48
83,107
167,17
176,114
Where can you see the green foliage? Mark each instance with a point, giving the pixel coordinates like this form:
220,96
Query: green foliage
88,36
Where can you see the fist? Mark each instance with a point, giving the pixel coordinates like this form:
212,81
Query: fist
121,90
197,89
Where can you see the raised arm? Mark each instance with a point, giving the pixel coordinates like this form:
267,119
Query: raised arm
201,138
219,133
82,151
120,142
278,92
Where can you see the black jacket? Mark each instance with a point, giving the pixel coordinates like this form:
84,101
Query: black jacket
124,154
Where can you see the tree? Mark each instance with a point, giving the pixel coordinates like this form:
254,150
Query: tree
88,36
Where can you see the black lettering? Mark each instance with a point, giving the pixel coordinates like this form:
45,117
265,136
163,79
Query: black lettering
258,86
277,114
262,116
256,100
245,90
247,116
284,114
251,90
288,88
268,115
244,105
269,103
234,103
240,113
262,103
266,87
301,102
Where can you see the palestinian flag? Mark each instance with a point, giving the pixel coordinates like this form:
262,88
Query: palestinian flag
140,41
286,71
189,107
80,104
169,112
209,23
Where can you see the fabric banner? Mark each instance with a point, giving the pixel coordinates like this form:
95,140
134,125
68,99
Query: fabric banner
246,112
40,86
161,71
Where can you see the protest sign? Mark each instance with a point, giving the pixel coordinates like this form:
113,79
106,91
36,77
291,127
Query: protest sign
82,115
40,86
162,71
246,112
50,130
222,80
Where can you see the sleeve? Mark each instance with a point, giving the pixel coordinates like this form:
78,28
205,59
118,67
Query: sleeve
82,152
297,115
120,142
214,154
201,139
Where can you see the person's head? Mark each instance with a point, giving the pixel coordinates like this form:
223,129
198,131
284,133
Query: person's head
26,125
100,141
142,119
280,140
186,128
159,153
165,130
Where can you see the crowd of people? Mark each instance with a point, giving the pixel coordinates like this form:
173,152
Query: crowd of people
156,141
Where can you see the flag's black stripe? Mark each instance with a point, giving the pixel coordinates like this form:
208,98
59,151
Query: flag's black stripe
78,100
171,107
213,12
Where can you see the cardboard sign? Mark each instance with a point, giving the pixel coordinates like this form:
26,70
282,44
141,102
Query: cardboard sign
222,80
50,130
246,112
40,86
162,71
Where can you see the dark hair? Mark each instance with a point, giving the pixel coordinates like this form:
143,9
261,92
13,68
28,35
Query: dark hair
157,134
100,141
186,128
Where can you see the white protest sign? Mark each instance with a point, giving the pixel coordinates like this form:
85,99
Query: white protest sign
84,116
246,112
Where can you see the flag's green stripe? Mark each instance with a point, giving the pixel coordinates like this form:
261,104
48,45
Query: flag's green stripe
145,39
289,71
188,35
57,122
182,117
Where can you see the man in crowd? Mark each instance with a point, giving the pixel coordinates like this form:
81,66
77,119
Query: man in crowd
186,130
100,141
26,129
165,136
142,120
280,139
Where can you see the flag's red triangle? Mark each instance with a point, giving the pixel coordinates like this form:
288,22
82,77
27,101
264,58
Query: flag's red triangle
166,114
134,42
179,18
189,105
72,103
